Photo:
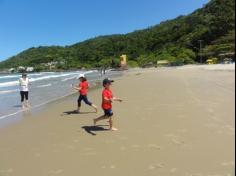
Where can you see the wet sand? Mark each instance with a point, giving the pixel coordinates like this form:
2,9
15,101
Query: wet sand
176,122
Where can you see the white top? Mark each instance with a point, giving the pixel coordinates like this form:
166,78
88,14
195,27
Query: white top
24,84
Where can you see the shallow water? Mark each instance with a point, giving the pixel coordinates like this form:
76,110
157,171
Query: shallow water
45,87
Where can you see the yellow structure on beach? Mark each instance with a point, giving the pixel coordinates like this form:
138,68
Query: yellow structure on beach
123,60
211,61
161,63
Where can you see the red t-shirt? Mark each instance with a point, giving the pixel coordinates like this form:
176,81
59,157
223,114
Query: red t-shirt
84,88
106,94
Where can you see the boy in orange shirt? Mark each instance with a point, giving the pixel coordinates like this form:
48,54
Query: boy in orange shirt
107,100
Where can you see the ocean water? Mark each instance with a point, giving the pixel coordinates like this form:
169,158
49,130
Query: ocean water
45,87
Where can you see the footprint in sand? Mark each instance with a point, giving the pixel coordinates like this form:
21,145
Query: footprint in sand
182,116
230,127
88,149
37,155
109,142
7,171
52,134
210,110
156,126
189,174
173,170
71,147
199,174
76,141
228,130
123,138
123,148
90,154
216,119
154,146
136,146
112,167
211,125
231,133
171,135
183,130
156,166
109,167
56,151
55,172
231,130
175,140
228,175
225,164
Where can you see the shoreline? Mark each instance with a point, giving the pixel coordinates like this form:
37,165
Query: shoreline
14,117
215,67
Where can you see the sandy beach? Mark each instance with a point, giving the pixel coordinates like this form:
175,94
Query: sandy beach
173,122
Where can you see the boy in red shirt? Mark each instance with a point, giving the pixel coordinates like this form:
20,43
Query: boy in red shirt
83,90
107,100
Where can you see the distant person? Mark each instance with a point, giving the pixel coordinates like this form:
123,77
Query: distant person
107,100
101,71
24,90
83,87
104,71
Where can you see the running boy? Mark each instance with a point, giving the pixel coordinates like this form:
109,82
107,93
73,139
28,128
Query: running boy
83,90
107,100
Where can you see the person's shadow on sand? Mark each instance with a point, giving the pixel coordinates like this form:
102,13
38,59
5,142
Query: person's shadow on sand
92,129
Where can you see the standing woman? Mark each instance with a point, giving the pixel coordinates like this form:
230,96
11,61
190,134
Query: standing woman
83,90
24,90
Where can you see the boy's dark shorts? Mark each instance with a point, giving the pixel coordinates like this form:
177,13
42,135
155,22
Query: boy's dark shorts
108,112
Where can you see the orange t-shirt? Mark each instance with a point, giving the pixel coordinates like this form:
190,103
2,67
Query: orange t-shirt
84,88
107,93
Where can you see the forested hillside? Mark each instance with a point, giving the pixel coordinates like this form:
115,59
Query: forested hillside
175,40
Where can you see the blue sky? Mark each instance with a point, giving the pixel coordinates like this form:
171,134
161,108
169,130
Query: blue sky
28,23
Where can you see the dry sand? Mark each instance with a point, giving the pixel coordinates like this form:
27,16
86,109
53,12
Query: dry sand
176,122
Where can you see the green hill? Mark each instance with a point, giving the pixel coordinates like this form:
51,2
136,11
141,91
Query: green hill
175,40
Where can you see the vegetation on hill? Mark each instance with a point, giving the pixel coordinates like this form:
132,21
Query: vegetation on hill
174,40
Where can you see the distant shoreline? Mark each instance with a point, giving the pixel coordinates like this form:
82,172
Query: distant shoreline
117,69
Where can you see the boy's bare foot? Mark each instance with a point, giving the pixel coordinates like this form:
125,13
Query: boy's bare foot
96,109
114,129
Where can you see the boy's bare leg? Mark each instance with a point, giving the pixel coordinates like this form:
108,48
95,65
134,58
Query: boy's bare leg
78,110
111,122
95,107
104,117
